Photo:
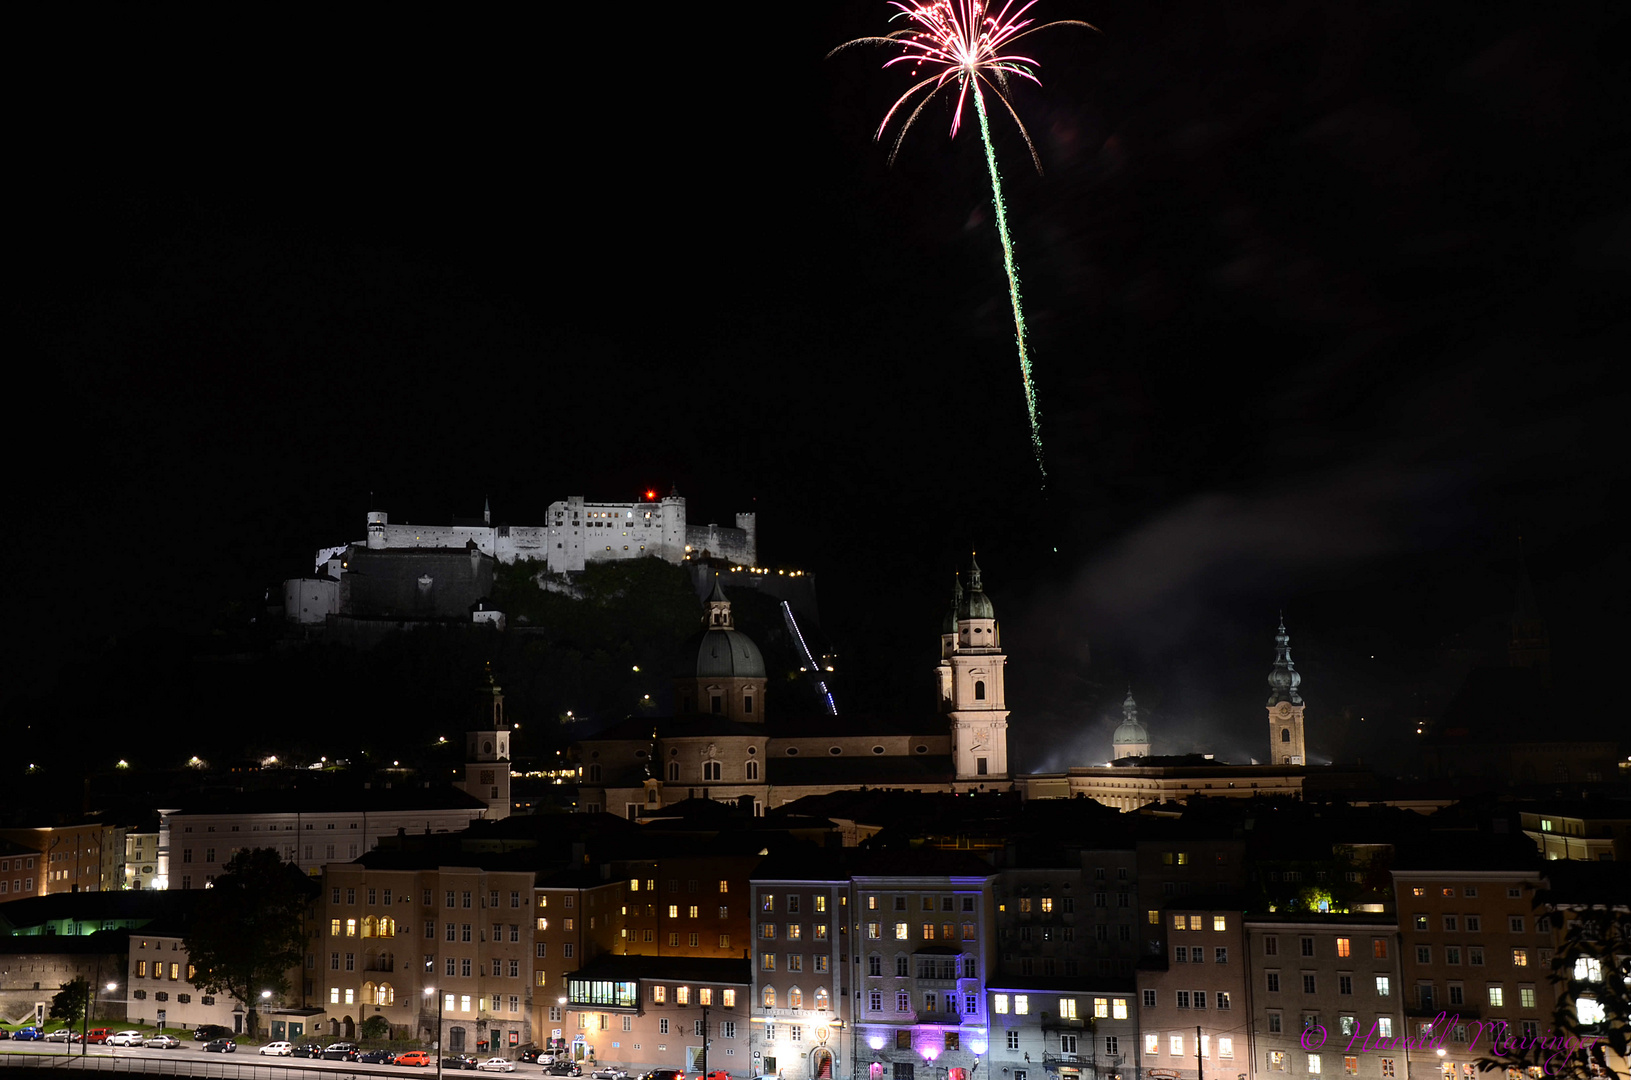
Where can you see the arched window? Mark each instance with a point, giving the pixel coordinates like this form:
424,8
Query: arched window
369,926
770,997
594,774
979,689
673,772
1285,734
821,1001
387,926
711,770
747,704
651,796
385,994
795,998
368,993
753,770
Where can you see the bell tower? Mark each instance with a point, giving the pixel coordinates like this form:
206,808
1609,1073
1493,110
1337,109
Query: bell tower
979,704
1285,705
487,752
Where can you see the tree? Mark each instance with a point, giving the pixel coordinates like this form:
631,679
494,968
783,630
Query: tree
249,930
69,1004
375,1027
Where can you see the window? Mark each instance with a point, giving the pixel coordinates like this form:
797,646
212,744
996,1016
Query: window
1149,999
1274,982
1345,984
1308,946
1497,997
1220,955
1271,946
1449,922
1384,1026
1520,957
1152,1043
1308,983
1222,999
1474,924
1183,999
1274,1023
1379,948
1175,1044
1526,997
1022,1004
1344,947
1383,987
1118,1008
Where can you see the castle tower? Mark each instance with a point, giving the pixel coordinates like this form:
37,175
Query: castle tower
1132,739
723,673
1285,705
948,645
487,753
979,708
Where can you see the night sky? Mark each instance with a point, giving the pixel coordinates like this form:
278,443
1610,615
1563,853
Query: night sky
1324,299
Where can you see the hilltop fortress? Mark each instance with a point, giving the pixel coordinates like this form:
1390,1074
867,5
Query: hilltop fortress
438,570
578,532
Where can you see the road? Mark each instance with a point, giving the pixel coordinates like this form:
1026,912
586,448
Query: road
190,1060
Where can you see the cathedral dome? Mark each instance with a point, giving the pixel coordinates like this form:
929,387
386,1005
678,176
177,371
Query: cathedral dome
724,654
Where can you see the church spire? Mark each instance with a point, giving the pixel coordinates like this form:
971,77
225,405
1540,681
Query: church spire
1283,677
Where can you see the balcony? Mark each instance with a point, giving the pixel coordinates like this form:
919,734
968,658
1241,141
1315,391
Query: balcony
1052,1022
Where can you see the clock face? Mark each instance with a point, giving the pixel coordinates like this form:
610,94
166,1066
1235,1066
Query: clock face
1285,709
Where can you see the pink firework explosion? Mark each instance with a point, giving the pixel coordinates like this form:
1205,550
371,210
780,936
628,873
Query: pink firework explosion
963,44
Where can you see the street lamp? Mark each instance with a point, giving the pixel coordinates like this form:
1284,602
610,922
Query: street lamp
90,999
437,1044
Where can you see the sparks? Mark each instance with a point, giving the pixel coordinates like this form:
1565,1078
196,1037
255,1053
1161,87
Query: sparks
966,48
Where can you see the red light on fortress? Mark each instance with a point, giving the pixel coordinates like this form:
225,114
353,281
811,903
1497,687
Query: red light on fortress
650,495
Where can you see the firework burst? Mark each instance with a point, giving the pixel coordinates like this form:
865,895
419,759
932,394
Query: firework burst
965,48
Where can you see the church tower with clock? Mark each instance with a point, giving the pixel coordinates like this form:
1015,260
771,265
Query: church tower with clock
487,753
972,693
1285,705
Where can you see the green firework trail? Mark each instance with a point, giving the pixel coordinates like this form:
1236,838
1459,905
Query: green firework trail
1013,285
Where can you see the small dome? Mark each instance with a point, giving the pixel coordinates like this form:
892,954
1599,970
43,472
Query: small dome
725,654
974,604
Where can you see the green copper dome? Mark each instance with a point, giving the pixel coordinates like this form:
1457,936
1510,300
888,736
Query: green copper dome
726,654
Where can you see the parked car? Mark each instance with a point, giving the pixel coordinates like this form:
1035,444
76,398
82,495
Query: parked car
341,1051
606,1072
59,1035
308,1050
4,1034
718,1074
564,1068
162,1042
206,1032
414,1057
665,1074
496,1064
127,1037
533,1055
459,1061
28,1033
97,1035
377,1057
220,1046
277,1049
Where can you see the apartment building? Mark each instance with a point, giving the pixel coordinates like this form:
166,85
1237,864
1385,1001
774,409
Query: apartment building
1476,955
642,1012
443,953
921,924
1193,1017
1334,977
578,916
800,966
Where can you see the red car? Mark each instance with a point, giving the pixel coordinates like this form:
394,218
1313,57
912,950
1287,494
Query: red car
97,1035
414,1057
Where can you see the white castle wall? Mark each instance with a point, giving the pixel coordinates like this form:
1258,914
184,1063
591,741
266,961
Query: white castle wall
576,534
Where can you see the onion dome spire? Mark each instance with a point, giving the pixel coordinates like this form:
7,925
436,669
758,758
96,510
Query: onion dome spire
1283,677
974,604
